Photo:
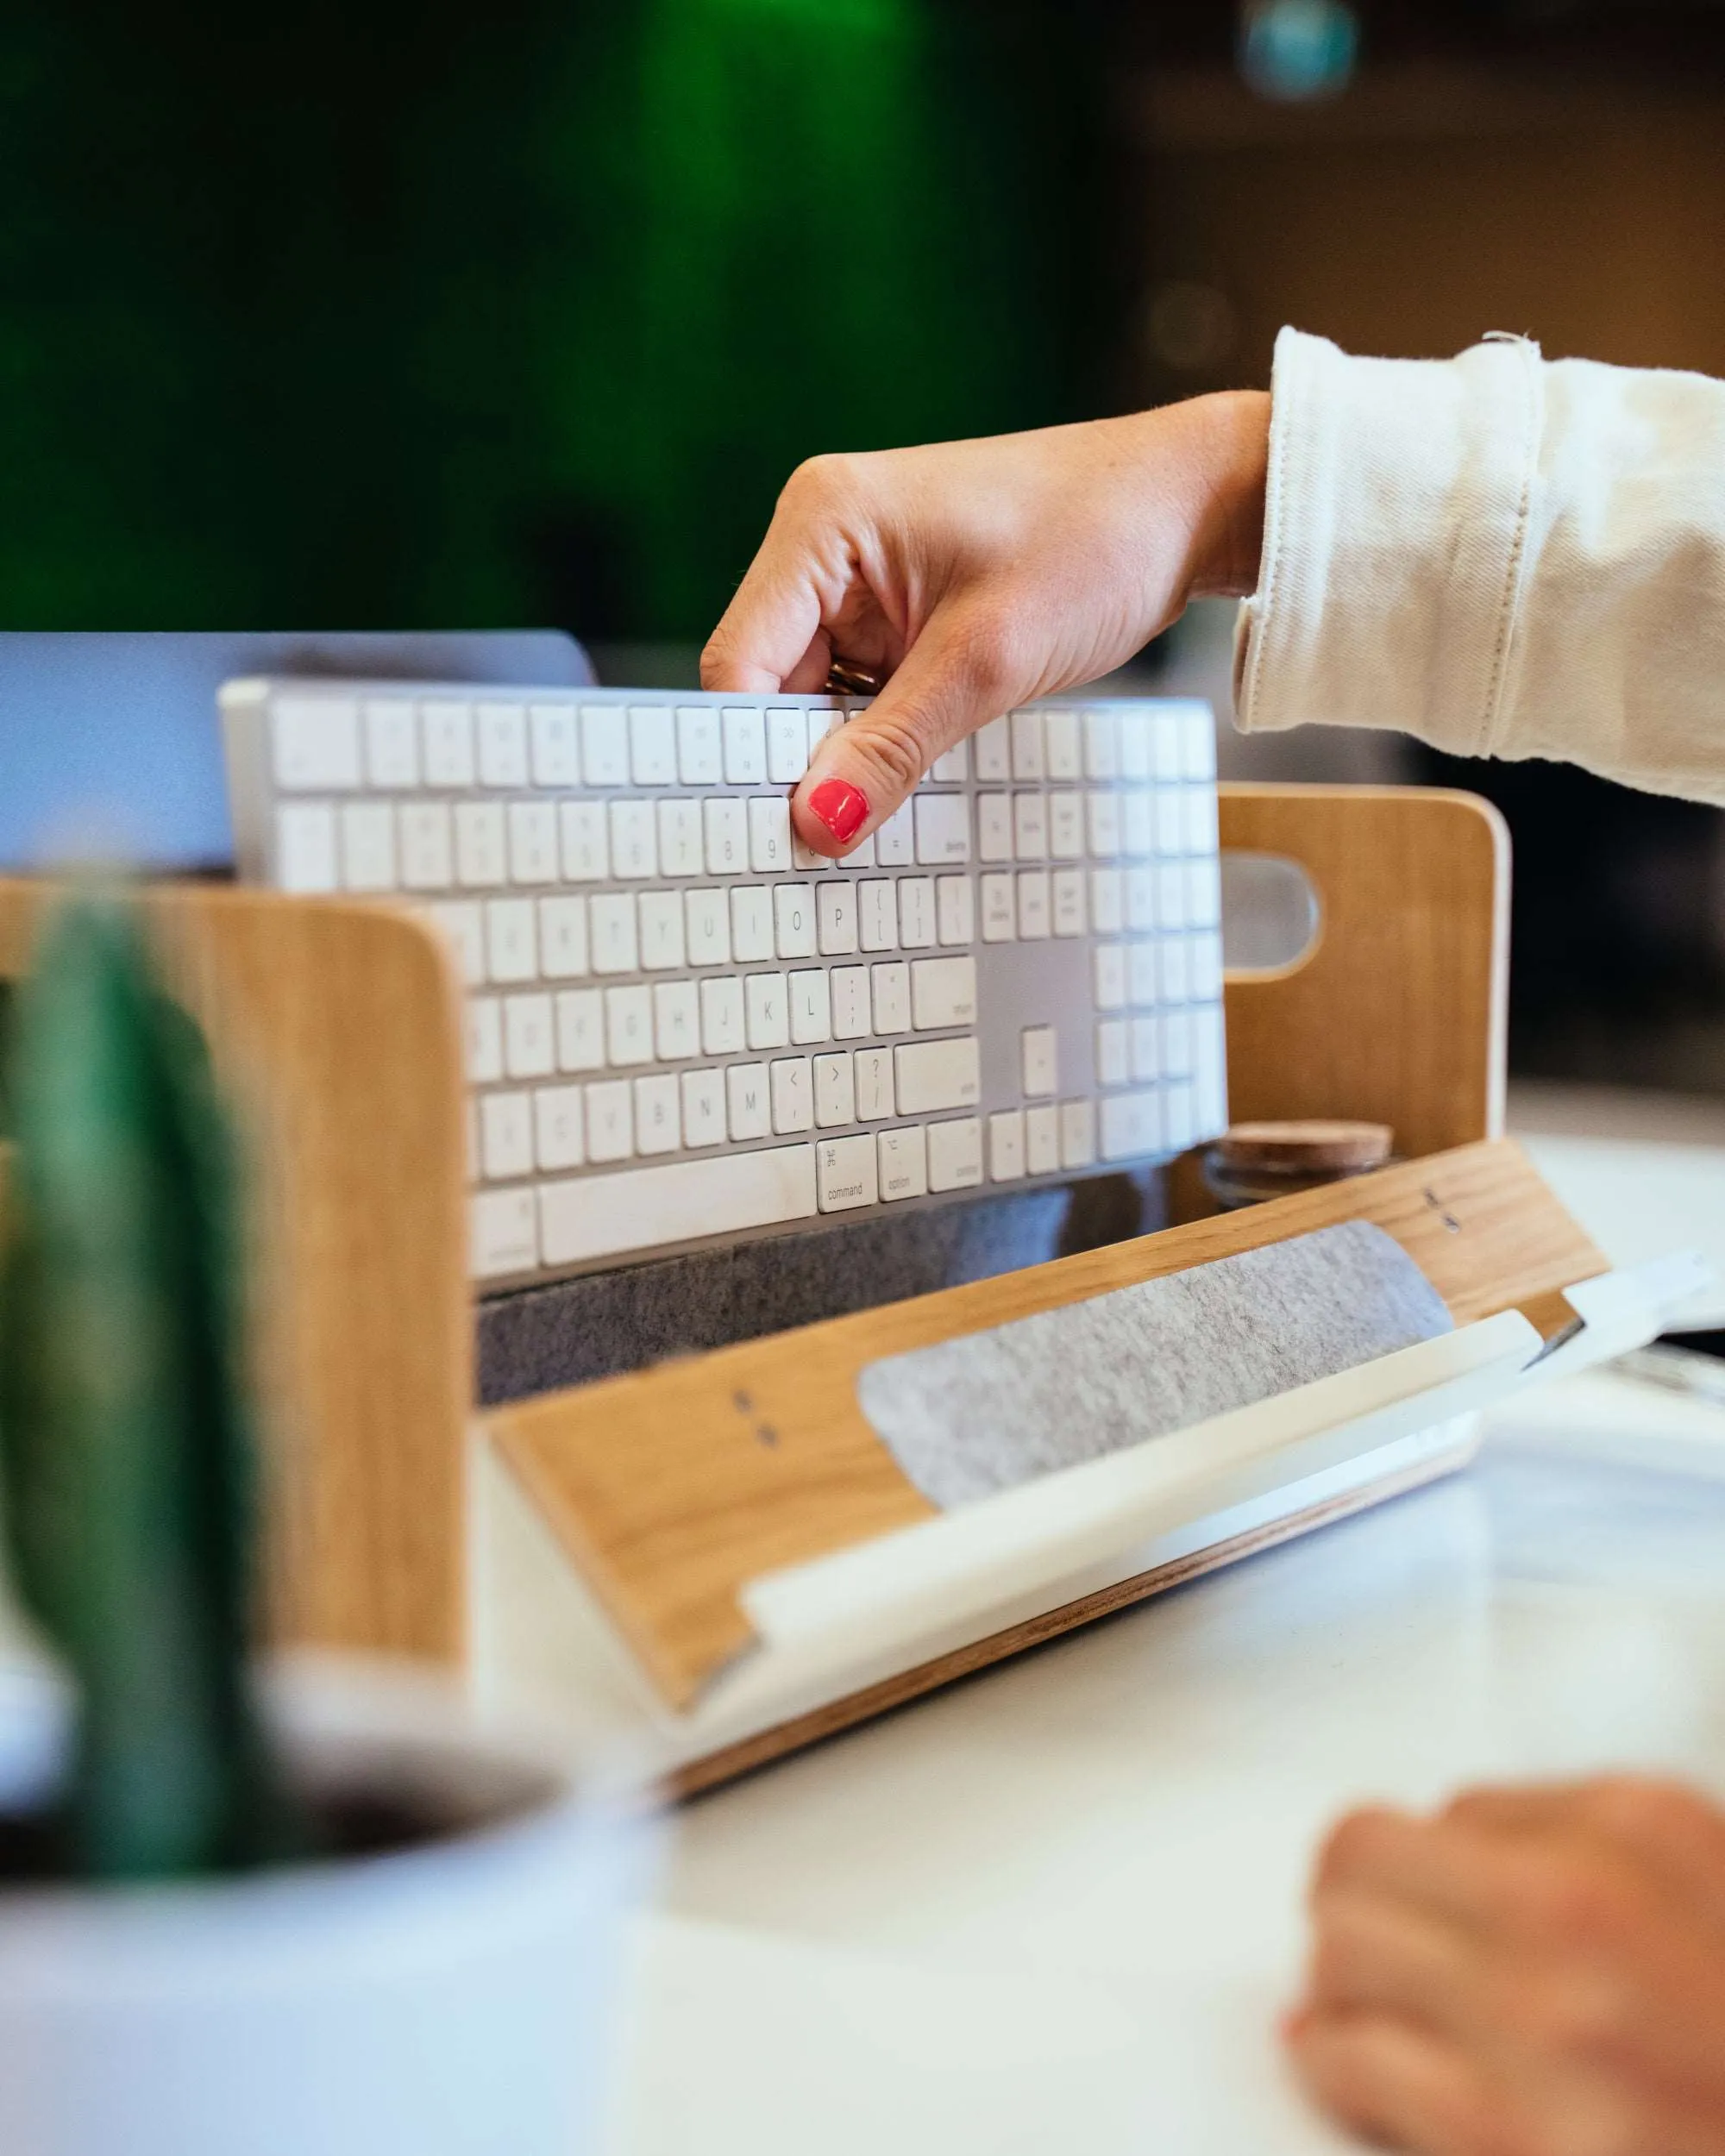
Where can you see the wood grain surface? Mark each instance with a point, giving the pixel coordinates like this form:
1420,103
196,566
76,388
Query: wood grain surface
334,1027
671,1487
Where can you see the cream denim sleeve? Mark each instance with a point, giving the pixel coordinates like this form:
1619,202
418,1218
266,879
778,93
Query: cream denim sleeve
1504,555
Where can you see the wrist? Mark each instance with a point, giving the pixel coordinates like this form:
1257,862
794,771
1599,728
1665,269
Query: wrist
1232,451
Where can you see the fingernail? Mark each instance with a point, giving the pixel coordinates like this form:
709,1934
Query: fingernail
841,807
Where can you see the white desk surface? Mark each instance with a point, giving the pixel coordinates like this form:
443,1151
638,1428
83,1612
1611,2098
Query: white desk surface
1056,1908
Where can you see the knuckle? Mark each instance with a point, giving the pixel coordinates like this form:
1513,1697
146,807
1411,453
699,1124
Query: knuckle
818,480
1345,1848
1566,1901
898,743
1579,2020
1643,1811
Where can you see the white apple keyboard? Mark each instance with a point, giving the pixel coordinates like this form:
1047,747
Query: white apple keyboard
683,1028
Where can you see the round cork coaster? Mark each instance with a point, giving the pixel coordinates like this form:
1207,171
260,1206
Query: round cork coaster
1306,1147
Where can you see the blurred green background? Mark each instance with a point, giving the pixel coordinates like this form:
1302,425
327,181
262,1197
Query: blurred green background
430,318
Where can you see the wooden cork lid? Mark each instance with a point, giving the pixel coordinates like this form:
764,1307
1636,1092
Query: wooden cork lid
1315,1148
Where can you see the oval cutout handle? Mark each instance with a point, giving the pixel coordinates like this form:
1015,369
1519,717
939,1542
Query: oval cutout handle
1272,916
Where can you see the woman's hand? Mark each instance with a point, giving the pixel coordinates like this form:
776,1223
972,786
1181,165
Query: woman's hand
1530,1973
979,575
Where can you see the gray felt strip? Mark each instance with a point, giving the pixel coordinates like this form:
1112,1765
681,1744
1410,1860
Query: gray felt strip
981,1413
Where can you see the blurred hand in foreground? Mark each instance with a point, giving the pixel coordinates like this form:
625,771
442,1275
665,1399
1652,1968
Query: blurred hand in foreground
973,576
1535,1972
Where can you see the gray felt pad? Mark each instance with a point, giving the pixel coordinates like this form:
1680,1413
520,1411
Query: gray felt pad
979,1414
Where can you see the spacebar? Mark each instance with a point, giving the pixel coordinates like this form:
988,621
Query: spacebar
601,1216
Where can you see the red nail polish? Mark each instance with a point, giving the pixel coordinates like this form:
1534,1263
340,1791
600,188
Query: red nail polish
841,807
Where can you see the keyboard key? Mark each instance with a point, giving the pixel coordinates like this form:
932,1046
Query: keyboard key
942,993
1034,921
315,744
745,746
727,837
902,1163
1210,1071
1108,901
1039,1060
1172,977
533,841
892,986
480,859
1062,746
851,1008
931,1075
581,1029
462,925
512,940
846,1173
1171,822
706,920
722,1027
769,836
658,1115
811,1009
1141,974
999,909
793,1085
786,747
682,850
603,1216
1028,759
751,923
748,1100
1066,826
634,841
392,744
1114,1052
562,938
835,1092
879,916
484,1040
895,841
1147,897
1146,1051
529,1041
699,760
1006,1146
506,1136
1042,1141
1137,825
504,1233
426,852
587,844
1103,815
1134,741
873,1070
1101,745
610,1129
768,1010
1179,1116
1166,752
955,1154
553,738
1108,966
821,723
501,730
955,906
447,743
628,1026
1077,1133
559,1136
677,1021
1030,826
305,846
703,1108
1177,1043
916,913
943,829
954,768
835,918
661,931
652,748
605,745
993,751
1201,835
1131,1122
1207,967
994,826
793,920
1068,888
610,931
1203,882
804,859
367,846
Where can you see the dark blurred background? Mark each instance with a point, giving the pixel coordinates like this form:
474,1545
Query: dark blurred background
399,318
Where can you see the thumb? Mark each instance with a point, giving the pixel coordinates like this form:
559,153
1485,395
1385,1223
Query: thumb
956,677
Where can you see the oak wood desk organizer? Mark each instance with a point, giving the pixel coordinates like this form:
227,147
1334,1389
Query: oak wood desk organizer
662,1493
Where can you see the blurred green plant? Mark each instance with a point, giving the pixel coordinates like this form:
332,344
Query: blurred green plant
127,1459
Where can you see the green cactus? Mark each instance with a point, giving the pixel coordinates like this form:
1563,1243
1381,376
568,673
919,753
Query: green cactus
126,1445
